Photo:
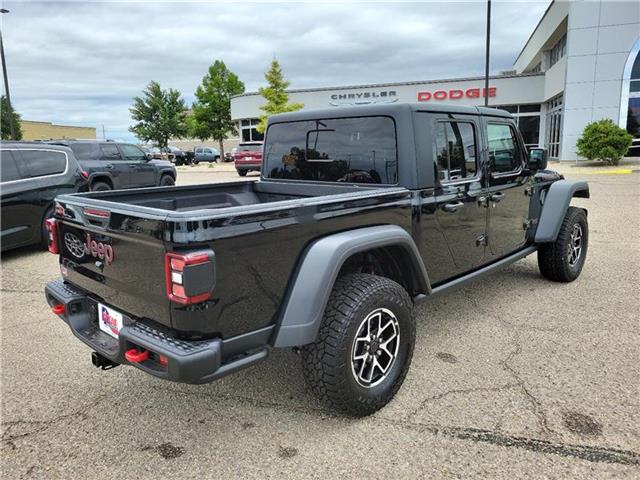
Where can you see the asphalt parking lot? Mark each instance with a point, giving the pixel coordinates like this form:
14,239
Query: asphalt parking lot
512,377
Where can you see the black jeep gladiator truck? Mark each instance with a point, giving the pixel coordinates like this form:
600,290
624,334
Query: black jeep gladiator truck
361,213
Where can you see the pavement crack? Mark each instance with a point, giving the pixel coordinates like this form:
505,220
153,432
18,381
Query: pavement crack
41,425
536,406
462,391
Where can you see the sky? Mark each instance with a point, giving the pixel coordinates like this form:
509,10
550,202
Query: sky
82,62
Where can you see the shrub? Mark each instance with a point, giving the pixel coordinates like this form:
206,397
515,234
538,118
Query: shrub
604,140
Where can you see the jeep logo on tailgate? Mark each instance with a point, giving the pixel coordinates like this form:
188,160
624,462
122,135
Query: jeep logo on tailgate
100,250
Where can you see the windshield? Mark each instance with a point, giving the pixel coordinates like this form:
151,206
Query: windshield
352,150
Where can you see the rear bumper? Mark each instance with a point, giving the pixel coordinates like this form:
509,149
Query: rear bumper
197,361
248,166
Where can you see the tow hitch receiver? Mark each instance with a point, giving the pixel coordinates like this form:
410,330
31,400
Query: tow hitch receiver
102,362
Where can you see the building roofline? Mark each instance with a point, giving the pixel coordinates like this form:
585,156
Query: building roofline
398,84
534,31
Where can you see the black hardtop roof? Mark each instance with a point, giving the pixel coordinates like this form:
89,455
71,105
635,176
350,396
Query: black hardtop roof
384,109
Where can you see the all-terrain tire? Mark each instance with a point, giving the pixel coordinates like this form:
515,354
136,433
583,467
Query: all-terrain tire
167,181
554,259
327,363
100,187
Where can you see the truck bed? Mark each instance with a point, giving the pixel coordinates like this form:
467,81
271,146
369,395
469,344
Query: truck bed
212,198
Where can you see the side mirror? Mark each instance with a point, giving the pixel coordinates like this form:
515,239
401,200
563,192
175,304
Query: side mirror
537,159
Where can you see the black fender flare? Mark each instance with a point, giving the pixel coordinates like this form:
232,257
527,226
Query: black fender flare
304,304
167,171
99,176
556,203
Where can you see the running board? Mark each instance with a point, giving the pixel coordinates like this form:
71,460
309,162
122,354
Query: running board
481,272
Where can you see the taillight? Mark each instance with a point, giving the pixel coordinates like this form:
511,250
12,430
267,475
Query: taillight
190,277
52,230
84,174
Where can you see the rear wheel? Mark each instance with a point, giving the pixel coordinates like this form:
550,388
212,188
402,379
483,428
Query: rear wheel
364,347
100,186
167,181
562,260
242,173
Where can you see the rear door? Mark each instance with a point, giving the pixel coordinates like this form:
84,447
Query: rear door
509,186
26,200
142,173
16,210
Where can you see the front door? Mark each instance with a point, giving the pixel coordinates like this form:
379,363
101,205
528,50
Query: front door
112,161
460,216
142,173
509,188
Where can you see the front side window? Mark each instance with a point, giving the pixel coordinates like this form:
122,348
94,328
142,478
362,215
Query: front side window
8,168
504,150
133,153
455,145
350,150
39,163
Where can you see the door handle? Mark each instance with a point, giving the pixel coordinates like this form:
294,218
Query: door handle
109,166
452,207
496,197
133,165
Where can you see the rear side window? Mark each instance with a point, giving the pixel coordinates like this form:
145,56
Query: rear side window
8,167
455,144
351,150
110,151
504,150
85,151
39,163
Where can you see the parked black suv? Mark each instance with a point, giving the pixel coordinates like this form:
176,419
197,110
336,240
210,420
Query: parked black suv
115,165
32,175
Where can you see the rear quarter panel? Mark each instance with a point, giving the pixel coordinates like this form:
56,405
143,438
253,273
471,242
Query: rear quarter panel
256,255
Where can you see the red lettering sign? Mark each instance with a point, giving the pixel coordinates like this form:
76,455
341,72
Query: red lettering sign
456,94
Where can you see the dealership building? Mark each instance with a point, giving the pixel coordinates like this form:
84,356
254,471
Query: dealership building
580,64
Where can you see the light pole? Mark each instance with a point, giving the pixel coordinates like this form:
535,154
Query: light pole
486,58
6,83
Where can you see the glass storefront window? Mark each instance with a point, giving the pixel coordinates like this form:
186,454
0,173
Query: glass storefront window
249,132
530,129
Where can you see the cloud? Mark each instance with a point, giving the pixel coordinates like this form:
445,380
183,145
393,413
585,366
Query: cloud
82,62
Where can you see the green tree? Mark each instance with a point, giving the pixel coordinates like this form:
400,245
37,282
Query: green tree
159,115
276,95
8,115
211,114
604,140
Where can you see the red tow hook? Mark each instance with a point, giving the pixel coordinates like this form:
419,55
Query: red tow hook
134,356
58,309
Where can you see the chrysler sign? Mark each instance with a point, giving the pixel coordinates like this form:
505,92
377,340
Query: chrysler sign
362,98
456,94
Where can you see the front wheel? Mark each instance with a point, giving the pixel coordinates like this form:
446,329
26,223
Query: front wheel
364,347
562,260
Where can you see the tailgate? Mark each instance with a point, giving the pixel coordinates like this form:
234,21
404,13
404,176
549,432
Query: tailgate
116,255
